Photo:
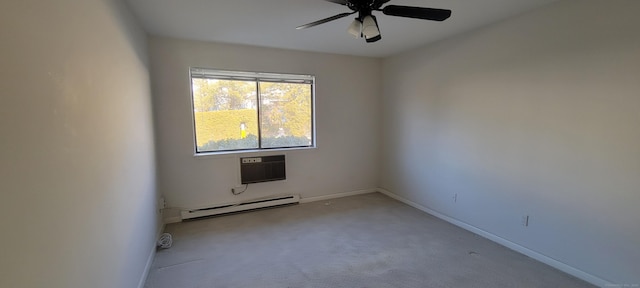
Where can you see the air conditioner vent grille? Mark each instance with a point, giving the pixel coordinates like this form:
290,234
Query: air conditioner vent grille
262,169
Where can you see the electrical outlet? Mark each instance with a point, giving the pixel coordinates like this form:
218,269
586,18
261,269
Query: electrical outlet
525,220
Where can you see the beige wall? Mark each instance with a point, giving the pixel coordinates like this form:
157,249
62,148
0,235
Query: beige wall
347,97
537,115
77,176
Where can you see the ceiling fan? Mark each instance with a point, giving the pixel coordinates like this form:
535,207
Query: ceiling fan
366,24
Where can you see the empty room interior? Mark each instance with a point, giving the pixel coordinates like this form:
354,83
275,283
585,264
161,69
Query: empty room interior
402,143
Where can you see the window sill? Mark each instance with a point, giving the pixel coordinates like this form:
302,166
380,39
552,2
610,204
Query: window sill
254,151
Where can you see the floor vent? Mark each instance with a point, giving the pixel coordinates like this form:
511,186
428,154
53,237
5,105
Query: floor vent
254,204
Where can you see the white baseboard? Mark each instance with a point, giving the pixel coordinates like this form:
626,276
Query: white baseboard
504,242
152,256
147,268
337,195
177,219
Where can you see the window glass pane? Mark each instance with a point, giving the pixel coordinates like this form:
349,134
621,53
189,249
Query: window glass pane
285,114
225,114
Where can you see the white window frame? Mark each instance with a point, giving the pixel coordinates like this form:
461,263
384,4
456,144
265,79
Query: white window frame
252,76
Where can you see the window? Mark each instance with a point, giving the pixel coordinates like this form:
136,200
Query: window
235,111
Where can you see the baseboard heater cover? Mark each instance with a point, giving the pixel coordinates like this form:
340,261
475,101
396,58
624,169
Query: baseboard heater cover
251,204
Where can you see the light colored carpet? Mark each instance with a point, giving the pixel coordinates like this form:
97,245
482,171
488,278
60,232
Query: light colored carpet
368,240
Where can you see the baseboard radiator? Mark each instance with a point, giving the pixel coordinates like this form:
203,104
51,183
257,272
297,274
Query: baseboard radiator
249,205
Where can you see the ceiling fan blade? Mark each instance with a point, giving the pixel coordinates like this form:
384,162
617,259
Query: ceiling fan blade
324,20
341,2
417,12
378,3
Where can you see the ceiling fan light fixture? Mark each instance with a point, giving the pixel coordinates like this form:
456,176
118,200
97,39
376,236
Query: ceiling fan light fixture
355,28
374,39
370,27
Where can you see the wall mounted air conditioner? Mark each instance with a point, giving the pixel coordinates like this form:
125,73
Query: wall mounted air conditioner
262,169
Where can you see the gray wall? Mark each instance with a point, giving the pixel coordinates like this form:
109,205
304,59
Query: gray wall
347,106
537,115
77,169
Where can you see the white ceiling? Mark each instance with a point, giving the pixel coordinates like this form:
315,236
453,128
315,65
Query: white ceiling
272,23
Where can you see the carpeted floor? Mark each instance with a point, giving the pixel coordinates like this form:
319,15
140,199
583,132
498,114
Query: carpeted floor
368,240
